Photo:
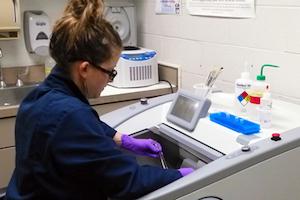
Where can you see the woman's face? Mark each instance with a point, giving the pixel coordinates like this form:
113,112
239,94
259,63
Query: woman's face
97,79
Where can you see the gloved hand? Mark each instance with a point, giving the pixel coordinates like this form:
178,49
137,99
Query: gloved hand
146,147
185,171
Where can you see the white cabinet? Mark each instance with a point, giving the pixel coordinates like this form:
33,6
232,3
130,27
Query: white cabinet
9,19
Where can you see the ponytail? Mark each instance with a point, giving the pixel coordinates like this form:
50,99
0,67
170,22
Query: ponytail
83,34
85,10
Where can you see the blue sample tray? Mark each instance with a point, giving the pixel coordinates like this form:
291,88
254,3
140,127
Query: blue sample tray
235,123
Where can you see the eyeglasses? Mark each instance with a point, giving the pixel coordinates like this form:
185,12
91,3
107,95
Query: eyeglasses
112,74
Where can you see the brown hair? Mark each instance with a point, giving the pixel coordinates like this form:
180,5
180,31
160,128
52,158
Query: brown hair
83,34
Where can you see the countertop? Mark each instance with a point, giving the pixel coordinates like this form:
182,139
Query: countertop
109,95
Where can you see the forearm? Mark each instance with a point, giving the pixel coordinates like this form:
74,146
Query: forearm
118,138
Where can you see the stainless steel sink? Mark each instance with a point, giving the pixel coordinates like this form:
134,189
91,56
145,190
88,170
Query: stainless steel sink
14,95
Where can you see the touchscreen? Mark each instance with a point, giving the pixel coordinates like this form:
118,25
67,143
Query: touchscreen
185,108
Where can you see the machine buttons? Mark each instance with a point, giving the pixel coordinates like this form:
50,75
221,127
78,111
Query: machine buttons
144,101
275,137
246,148
244,151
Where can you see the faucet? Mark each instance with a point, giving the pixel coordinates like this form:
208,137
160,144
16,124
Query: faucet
19,81
2,83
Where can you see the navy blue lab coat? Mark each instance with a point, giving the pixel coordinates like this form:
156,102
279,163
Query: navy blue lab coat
64,151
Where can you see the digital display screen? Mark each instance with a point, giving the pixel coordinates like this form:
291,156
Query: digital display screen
185,108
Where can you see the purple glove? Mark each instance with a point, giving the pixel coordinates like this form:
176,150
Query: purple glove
146,147
185,171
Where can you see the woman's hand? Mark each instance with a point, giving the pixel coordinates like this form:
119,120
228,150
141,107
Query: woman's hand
146,147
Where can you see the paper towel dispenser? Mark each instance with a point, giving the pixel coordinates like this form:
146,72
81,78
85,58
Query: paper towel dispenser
37,32
10,19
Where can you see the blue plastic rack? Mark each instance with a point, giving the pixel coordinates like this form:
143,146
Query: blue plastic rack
235,123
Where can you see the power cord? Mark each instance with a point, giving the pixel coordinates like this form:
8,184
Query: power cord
171,87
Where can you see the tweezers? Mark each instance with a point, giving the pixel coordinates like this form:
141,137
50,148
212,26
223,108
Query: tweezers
163,160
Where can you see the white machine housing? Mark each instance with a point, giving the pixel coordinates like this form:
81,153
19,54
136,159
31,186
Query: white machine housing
37,32
121,14
136,68
234,167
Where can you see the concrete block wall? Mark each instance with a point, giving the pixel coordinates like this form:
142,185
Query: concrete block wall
198,44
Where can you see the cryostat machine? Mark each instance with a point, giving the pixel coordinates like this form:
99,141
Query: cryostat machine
231,163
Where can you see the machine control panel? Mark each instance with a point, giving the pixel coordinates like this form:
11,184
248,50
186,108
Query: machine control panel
139,56
187,109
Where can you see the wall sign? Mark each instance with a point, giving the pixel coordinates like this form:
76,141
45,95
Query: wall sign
222,8
171,7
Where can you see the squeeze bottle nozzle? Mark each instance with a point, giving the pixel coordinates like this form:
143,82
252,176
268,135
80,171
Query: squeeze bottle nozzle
262,77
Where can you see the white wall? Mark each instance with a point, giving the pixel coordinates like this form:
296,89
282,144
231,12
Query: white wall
200,43
15,53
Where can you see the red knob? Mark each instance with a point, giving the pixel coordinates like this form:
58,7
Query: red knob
276,136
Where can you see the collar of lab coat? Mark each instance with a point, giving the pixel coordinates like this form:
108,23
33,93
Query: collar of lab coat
60,80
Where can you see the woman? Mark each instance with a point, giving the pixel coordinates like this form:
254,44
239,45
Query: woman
63,150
